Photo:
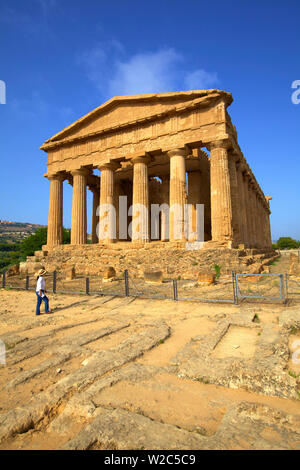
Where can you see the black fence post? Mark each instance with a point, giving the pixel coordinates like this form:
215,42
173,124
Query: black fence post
3,279
126,282
54,282
87,286
286,286
27,282
175,292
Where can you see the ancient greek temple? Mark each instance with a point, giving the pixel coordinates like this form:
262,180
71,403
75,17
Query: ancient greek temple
172,148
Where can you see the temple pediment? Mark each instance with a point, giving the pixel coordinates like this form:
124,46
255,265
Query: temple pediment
126,111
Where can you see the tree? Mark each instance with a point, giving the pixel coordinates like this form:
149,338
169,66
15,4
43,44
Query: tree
287,243
34,242
39,238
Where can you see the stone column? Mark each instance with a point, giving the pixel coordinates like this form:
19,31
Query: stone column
194,197
117,193
257,219
235,206
165,197
221,206
253,214
55,215
268,212
262,223
242,206
248,209
78,227
178,193
107,231
140,200
95,217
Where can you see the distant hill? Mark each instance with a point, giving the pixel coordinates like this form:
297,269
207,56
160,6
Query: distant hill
12,232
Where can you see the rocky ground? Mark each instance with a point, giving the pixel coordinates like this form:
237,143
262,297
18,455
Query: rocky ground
104,372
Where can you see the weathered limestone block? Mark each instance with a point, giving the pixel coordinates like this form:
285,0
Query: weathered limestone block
70,274
294,265
13,270
153,277
206,279
23,267
40,253
29,267
256,268
109,274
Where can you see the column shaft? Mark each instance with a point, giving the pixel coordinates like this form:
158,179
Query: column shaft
78,228
195,196
178,193
55,215
140,200
165,196
107,232
236,215
221,206
95,217
242,208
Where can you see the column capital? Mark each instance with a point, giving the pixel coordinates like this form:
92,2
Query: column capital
182,151
141,159
221,143
268,199
56,176
109,166
80,171
233,155
240,165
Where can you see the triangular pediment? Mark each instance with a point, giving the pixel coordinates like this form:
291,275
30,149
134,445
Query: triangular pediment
126,110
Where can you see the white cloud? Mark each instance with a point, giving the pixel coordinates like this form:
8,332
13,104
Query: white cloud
145,73
114,73
200,80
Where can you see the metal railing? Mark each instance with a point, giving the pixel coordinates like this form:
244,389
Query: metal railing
234,288
261,287
292,285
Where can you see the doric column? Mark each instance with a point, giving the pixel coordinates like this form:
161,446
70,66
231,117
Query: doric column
235,206
107,222
194,197
165,197
268,212
140,199
262,223
95,218
178,193
252,214
242,205
258,226
55,215
247,191
221,206
78,227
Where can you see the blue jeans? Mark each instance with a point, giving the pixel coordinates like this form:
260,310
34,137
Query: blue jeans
39,301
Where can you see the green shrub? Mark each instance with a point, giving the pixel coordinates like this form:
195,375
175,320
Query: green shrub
217,269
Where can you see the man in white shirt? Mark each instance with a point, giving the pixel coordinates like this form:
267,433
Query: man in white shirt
40,291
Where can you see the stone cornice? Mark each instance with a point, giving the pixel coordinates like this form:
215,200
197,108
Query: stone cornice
207,98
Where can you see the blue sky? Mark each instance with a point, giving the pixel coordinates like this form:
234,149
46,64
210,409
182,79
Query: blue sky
62,58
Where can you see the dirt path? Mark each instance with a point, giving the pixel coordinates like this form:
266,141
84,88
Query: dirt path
124,373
